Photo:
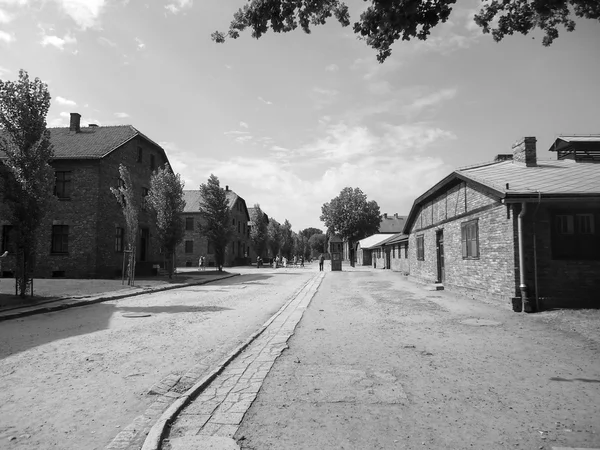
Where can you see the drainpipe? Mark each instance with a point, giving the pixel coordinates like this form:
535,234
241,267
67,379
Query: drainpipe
522,286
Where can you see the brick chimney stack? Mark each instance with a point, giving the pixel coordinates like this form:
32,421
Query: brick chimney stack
226,188
524,151
75,124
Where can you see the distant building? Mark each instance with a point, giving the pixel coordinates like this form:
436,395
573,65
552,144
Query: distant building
389,225
515,229
84,235
195,244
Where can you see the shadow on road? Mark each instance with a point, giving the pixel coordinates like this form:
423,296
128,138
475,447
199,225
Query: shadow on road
584,380
170,309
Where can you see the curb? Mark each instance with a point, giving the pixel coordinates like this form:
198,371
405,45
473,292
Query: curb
91,301
156,434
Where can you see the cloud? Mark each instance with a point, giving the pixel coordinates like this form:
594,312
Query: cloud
106,42
243,139
121,115
65,102
243,125
5,17
380,87
432,100
177,5
323,97
140,44
3,71
235,132
6,37
85,13
266,102
372,69
58,42
332,68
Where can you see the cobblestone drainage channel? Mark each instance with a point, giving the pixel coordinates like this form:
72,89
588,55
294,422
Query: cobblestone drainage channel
479,322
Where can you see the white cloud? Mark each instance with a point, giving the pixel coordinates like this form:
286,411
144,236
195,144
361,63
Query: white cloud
5,17
6,37
85,13
177,5
65,102
323,97
380,87
235,132
121,115
431,100
243,125
266,102
243,139
58,42
140,44
332,68
106,42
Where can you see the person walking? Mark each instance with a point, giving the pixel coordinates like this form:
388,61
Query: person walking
301,261
321,261
201,263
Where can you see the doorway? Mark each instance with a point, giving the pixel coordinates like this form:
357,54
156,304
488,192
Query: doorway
439,242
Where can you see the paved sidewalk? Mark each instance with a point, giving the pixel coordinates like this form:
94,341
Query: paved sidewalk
211,419
58,300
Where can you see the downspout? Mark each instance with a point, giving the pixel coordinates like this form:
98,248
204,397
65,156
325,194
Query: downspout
522,286
535,268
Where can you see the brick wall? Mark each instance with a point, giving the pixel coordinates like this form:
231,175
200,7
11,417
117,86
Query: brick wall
399,258
493,272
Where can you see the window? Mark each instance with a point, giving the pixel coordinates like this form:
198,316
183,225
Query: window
470,239
189,223
234,220
152,162
7,239
239,227
62,185
60,239
119,233
574,236
140,154
189,246
420,248
144,201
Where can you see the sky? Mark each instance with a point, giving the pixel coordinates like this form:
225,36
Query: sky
289,120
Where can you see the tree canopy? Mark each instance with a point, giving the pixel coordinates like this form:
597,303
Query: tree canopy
216,218
166,202
274,236
384,22
351,215
27,178
258,230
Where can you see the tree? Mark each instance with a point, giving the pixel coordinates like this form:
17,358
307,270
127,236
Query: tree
274,233
317,243
258,230
350,215
384,22
125,195
166,202
216,222
27,176
287,239
308,232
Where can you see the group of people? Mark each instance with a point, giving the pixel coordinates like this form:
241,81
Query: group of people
280,261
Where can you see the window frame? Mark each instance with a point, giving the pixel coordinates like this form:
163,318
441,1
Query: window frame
574,235
119,239
188,246
420,246
467,239
66,184
189,224
59,241
140,154
145,192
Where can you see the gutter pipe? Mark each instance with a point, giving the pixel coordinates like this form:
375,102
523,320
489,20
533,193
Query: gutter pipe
525,307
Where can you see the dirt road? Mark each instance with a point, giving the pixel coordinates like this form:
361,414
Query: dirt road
73,379
380,363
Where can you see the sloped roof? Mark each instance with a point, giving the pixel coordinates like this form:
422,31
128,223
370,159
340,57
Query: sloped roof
395,238
92,142
193,198
373,241
548,178
392,224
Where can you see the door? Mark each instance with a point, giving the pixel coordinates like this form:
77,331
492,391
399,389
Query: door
439,239
388,259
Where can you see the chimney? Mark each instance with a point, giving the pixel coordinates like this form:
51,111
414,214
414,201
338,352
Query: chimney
524,151
385,215
75,122
227,188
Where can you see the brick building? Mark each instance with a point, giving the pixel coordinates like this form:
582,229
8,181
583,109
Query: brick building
83,236
365,250
195,245
517,229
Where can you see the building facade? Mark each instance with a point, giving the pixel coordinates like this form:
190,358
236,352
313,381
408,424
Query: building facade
83,235
517,230
195,244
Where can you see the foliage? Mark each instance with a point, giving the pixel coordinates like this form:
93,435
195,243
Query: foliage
350,215
216,222
287,239
308,232
166,202
317,243
27,176
384,22
258,230
274,234
125,195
